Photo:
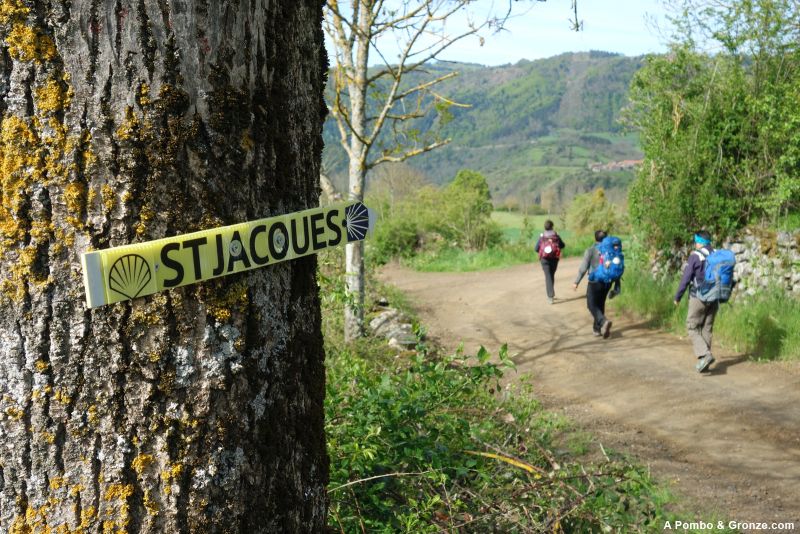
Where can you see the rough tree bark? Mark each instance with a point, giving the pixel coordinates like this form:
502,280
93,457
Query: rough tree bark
197,409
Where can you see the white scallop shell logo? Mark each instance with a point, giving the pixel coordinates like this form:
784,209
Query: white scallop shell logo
356,221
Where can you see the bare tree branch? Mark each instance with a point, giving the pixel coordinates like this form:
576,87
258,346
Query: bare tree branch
410,154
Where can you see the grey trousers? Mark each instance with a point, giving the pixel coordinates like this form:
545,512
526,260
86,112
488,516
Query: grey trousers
700,325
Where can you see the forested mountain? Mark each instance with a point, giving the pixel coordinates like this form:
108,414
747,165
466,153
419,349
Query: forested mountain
534,129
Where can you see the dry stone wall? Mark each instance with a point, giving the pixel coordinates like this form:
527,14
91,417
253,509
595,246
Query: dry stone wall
766,258
763,258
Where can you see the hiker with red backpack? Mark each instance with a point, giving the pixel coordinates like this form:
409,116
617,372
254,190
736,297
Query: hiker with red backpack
605,264
549,247
709,277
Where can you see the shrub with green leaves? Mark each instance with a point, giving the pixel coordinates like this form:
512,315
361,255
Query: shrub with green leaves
592,211
427,442
435,444
432,218
719,129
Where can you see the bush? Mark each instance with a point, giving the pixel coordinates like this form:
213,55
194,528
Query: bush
458,214
395,237
419,448
592,211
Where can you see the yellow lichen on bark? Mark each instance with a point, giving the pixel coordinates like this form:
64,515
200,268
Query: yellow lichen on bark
146,214
93,417
150,504
18,147
30,44
11,10
169,475
109,198
62,397
141,462
130,127
15,413
53,96
75,199
221,303
36,152
118,494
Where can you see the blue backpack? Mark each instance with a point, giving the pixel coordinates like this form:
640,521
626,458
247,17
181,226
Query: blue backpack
612,261
718,278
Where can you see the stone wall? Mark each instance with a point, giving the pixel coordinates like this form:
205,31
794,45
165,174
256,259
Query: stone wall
763,258
766,258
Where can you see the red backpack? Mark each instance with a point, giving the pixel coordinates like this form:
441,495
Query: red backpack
549,248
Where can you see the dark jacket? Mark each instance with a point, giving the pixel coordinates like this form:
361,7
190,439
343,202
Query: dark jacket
549,233
694,272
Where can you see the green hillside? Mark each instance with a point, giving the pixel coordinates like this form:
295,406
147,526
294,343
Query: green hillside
533,128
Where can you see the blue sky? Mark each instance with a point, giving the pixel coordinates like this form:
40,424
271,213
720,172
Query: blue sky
629,27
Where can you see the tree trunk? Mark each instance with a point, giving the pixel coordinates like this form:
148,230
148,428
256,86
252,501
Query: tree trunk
197,409
357,173
354,266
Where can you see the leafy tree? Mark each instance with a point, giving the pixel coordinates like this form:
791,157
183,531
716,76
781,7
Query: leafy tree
719,131
466,209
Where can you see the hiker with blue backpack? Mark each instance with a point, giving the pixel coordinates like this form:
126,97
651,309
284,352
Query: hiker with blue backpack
605,264
709,277
549,248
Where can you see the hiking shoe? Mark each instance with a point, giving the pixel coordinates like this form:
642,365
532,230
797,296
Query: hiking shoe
595,333
703,364
606,329
550,300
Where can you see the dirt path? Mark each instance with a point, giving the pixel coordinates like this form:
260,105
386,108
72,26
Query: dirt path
729,441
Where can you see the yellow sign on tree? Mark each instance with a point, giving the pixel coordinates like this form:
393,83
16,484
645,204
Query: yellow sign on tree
131,271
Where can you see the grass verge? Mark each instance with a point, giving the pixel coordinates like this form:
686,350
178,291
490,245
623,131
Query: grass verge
422,441
762,326
519,239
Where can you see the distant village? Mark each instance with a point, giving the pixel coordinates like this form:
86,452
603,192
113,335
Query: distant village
624,165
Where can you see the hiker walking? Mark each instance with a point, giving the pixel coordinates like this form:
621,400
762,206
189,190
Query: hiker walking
604,272
709,277
549,248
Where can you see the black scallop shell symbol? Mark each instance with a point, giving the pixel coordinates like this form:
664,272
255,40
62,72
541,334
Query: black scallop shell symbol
356,219
129,275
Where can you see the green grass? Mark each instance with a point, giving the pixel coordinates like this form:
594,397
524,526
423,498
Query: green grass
515,249
422,441
762,327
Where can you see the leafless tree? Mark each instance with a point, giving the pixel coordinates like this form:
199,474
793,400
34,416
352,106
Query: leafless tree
367,101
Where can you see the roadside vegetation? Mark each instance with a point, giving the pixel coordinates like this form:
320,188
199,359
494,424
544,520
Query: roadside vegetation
759,328
719,134
426,441
456,228
719,124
